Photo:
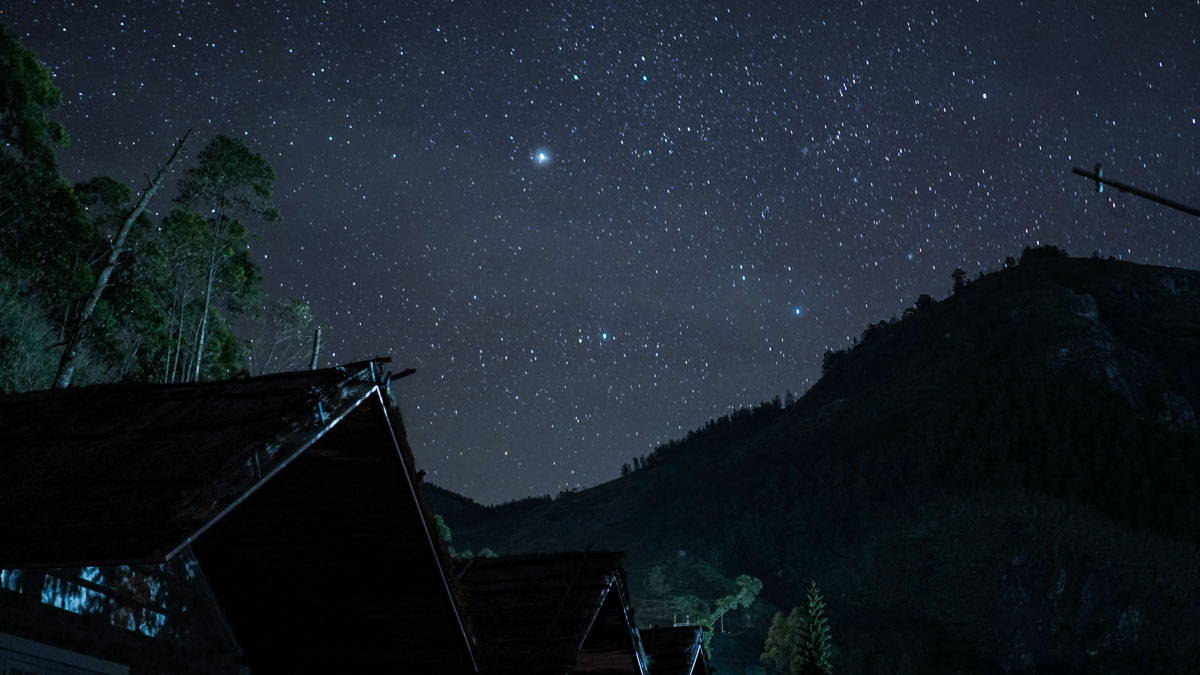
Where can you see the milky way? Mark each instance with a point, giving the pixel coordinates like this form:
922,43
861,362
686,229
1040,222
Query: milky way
590,227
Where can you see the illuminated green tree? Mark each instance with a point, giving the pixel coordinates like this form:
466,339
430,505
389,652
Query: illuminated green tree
814,646
779,651
707,617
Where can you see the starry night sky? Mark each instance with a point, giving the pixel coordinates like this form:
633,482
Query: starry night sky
592,226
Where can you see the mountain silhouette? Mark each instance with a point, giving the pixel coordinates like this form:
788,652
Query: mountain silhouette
1006,480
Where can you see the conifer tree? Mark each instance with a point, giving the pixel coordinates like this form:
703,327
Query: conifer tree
959,277
814,648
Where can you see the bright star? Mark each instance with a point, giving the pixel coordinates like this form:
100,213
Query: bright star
543,156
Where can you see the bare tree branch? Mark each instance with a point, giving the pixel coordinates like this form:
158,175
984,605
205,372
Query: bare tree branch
66,365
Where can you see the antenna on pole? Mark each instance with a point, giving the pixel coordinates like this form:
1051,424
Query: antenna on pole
1101,181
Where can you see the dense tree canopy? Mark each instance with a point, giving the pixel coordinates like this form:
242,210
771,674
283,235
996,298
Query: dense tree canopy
94,289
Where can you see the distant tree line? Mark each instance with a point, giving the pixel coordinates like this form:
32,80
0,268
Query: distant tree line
800,642
959,280
96,290
726,427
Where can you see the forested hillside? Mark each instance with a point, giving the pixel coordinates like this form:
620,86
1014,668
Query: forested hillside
1000,481
97,287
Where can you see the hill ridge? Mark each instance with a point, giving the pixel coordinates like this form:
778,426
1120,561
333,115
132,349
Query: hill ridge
1057,390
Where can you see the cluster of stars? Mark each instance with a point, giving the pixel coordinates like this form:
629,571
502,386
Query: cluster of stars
593,227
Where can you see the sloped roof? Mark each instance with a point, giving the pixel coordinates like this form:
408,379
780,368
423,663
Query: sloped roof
296,492
533,613
674,650
120,474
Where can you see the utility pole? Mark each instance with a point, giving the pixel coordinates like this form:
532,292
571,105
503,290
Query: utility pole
1101,181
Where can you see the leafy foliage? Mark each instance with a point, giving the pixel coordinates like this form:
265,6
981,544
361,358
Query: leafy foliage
800,643
707,614
814,647
25,334
26,95
44,232
783,641
446,536
228,181
168,312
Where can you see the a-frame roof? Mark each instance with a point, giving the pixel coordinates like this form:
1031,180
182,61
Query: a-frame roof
119,474
296,492
552,613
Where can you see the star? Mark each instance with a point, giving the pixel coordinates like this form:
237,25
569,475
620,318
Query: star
816,179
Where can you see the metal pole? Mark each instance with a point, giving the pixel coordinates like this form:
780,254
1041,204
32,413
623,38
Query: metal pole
1101,181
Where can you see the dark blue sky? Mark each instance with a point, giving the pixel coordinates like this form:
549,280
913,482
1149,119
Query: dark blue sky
726,192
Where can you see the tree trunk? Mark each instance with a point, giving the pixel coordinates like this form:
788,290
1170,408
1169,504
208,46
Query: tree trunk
173,364
173,372
202,329
66,364
167,364
316,352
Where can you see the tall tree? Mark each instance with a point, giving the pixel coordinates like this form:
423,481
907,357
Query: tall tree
700,612
117,246
44,233
156,293
228,181
26,94
959,278
814,646
42,225
800,643
28,138
779,650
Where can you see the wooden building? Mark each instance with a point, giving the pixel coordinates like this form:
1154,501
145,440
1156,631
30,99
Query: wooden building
268,522
675,650
552,613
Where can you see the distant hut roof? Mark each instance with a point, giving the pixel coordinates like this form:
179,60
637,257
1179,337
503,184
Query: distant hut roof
674,650
296,491
561,612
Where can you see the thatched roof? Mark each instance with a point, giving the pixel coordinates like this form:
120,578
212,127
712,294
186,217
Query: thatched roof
674,650
296,492
562,612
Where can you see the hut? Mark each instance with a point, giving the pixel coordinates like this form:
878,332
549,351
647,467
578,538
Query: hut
271,522
675,650
552,613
